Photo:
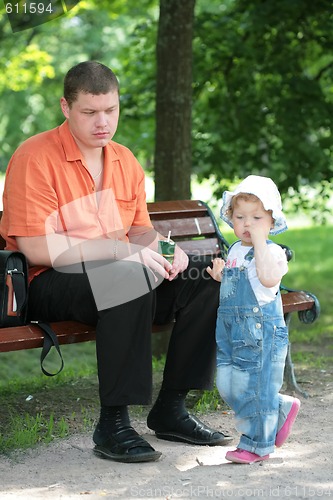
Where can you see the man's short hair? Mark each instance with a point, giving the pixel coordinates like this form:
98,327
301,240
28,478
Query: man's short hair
90,77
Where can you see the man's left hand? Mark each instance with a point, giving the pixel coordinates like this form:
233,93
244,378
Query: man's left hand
179,264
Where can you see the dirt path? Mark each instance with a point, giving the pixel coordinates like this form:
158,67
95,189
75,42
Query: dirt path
68,469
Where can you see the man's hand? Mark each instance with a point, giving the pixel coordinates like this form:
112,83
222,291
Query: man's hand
179,264
159,265
151,259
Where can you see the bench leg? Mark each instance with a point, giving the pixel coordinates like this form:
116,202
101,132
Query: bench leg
289,375
289,372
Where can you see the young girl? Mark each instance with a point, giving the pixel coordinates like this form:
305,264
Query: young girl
251,333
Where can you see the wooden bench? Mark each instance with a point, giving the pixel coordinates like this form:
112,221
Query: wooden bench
195,229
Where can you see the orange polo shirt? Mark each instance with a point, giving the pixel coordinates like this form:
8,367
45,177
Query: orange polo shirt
49,189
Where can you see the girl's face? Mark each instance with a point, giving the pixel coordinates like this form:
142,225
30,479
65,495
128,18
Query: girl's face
251,219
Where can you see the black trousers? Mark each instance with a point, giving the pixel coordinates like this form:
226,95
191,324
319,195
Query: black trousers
123,331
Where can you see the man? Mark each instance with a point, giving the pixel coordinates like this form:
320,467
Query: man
74,204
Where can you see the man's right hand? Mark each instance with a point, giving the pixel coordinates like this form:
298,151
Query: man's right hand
153,260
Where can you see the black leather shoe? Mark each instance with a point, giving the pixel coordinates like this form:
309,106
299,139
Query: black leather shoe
188,429
125,445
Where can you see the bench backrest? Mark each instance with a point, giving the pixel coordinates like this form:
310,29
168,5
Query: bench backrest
191,223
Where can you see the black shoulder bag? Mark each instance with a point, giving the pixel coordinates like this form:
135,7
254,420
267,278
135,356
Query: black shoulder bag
13,288
14,301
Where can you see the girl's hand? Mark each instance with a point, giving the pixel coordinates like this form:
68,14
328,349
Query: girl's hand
217,269
258,234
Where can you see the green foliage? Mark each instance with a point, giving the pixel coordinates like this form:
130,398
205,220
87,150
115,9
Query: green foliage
262,88
263,92
36,60
29,68
316,201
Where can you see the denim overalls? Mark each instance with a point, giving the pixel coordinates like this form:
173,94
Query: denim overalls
252,345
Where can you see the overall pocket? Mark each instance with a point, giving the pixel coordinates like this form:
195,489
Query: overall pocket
228,284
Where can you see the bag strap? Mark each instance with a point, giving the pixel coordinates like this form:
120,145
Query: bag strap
50,340
19,287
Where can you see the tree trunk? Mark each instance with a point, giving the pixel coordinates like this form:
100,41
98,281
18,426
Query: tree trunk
173,152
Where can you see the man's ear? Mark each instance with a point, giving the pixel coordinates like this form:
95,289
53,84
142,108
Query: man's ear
64,107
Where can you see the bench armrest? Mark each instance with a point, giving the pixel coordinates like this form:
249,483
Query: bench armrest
306,316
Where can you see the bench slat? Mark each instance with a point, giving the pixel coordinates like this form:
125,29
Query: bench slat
207,246
187,227
31,336
179,208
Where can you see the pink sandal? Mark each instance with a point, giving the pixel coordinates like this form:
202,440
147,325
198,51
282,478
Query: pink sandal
283,434
244,457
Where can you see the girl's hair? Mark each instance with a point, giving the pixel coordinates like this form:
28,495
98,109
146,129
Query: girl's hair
90,77
245,197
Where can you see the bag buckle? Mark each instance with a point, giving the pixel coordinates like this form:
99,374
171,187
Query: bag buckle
14,271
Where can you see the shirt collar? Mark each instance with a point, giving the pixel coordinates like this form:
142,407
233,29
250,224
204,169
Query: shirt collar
71,149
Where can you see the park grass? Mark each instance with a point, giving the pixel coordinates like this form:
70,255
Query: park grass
312,269
35,408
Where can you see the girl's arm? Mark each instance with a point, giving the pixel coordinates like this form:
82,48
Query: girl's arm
270,266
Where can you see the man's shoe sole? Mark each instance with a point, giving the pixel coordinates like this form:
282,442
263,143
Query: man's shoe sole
174,436
103,452
190,430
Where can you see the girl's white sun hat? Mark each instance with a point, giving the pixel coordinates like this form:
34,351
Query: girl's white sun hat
267,192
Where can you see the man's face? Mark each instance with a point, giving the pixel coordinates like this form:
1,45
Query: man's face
92,119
